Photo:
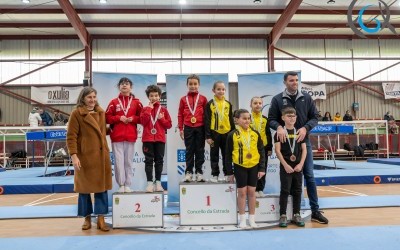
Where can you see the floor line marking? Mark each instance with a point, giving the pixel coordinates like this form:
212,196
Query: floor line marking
61,198
333,191
348,190
32,202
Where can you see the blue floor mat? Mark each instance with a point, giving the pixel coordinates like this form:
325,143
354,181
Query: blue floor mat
345,238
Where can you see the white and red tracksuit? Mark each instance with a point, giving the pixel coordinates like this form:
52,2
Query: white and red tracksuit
123,136
154,144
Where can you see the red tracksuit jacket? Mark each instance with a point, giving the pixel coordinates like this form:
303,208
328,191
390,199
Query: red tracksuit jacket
161,124
184,114
120,131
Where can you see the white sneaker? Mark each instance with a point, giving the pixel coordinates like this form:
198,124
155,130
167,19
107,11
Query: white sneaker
199,178
121,189
242,223
252,221
188,177
214,179
128,190
150,187
259,194
159,188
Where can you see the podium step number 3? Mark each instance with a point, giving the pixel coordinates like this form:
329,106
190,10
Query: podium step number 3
267,208
207,204
138,210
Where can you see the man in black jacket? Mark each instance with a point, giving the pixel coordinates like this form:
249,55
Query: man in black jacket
307,119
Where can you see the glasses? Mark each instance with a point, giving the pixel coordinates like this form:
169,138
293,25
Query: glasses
291,116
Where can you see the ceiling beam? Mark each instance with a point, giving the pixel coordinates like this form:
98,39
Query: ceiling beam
283,21
75,21
184,24
191,36
193,11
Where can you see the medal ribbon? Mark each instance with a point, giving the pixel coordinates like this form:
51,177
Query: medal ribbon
154,120
220,113
294,140
245,140
192,111
125,109
258,128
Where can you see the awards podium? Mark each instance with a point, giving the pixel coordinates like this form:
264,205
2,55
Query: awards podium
138,209
203,204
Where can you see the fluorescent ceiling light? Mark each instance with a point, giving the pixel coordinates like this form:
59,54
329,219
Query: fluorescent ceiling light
103,1
182,1
26,1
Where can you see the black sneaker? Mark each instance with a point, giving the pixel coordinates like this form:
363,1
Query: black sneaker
318,217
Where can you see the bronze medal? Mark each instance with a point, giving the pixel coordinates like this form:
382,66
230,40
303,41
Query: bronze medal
221,127
153,131
193,119
249,156
293,158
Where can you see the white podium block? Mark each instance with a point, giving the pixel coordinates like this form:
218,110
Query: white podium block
267,208
207,204
138,209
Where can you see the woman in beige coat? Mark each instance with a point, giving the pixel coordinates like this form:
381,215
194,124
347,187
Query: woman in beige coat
87,145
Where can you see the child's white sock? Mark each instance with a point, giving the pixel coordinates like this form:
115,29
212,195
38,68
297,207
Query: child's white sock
242,221
252,221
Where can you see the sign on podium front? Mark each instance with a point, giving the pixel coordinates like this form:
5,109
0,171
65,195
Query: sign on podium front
207,204
138,209
267,208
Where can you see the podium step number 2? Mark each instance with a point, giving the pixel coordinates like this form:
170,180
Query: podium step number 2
207,204
138,210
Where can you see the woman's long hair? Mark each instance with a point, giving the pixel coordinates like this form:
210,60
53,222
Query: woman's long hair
81,98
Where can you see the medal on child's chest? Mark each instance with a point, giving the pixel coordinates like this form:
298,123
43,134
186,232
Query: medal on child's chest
292,146
126,108
246,138
192,111
220,113
153,131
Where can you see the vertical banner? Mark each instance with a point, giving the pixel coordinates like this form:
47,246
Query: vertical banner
107,89
266,86
176,88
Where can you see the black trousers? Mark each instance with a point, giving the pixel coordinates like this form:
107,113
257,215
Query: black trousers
261,182
194,142
153,152
219,143
290,184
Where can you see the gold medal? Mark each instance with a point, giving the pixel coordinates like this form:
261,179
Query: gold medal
221,127
249,156
293,158
193,119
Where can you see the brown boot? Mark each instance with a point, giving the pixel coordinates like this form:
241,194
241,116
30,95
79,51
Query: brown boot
101,224
87,224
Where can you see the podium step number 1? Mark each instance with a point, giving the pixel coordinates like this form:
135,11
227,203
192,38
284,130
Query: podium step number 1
138,210
207,204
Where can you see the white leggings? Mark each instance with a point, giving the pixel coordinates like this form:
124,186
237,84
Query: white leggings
123,159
